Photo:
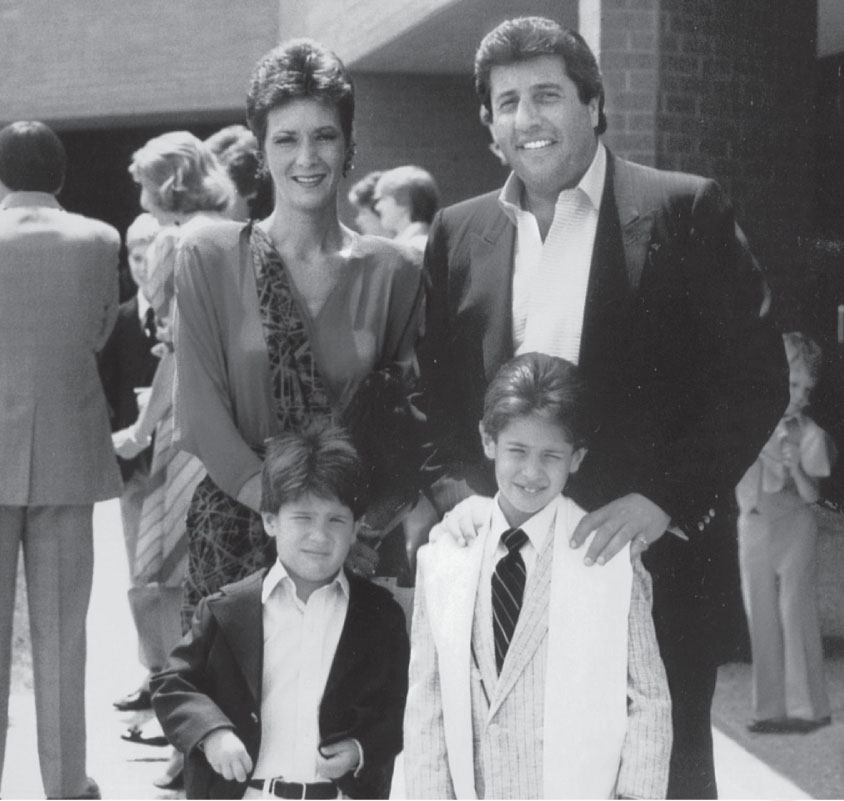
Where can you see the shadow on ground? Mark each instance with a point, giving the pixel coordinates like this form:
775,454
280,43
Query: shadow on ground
814,762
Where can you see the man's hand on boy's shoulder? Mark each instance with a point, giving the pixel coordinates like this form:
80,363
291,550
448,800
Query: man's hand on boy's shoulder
463,522
227,755
633,518
337,759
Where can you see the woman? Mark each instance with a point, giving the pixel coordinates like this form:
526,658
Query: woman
280,322
184,188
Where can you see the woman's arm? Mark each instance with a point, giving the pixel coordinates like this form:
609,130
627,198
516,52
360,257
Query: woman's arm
203,403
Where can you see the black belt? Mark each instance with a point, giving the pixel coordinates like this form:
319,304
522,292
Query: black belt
283,789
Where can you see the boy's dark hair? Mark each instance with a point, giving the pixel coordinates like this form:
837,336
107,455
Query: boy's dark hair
321,460
524,38
535,383
32,158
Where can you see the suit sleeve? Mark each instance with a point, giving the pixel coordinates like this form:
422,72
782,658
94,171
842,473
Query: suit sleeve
427,773
380,731
107,287
647,745
187,714
204,417
741,386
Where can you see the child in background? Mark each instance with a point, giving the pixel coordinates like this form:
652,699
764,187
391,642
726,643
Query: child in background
292,681
777,554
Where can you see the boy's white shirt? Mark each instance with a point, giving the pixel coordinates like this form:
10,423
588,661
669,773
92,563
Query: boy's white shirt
585,704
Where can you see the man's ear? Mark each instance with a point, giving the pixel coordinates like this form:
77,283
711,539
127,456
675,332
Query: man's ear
487,441
577,459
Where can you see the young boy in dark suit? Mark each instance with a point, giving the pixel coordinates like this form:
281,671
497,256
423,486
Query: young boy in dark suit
292,682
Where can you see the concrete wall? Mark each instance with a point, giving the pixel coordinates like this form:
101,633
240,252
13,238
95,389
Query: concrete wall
431,121
83,60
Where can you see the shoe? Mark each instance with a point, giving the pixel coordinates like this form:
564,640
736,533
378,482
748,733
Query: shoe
135,701
92,790
134,735
769,726
804,726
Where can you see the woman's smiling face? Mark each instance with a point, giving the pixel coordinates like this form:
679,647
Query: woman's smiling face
305,152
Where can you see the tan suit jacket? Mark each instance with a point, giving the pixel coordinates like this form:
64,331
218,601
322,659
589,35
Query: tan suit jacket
461,718
58,304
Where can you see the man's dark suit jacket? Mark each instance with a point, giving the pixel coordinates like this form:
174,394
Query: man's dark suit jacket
125,363
689,378
213,680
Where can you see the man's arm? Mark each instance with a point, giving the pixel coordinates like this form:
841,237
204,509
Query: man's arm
427,774
647,745
741,385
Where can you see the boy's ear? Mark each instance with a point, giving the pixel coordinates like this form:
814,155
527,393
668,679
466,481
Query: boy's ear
487,441
270,521
576,459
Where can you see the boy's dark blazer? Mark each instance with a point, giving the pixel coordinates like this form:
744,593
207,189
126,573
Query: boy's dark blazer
688,378
126,362
221,658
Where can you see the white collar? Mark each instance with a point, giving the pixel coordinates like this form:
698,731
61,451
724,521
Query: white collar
592,183
16,199
278,572
536,527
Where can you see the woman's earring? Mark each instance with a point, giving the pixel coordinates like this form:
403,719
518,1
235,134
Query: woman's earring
348,164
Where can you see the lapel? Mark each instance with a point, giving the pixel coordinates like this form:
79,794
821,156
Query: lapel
354,634
239,614
490,288
450,576
531,627
621,242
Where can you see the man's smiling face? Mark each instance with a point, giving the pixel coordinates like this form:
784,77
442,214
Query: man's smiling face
543,128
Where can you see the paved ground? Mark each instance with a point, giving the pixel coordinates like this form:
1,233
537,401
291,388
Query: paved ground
126,771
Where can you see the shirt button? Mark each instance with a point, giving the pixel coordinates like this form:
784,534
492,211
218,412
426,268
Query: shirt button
494,729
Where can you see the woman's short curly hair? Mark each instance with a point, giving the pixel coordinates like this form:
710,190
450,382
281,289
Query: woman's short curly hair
183,173
299,68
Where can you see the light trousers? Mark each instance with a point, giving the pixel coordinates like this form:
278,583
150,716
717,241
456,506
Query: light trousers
777,556
58,552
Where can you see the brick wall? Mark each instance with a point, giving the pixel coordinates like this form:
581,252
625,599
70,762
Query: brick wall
734,103
629,59
76,59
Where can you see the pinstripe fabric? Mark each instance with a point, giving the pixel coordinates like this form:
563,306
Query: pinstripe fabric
161,553
508,588
647,746
507,732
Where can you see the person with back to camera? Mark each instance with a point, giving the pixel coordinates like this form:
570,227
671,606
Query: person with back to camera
291,682
184,186
659,304
406,199
362,198
280,321
236,149
778,556
58,304
532,676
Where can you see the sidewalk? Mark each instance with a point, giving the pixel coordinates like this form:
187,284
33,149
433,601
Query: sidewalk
126,770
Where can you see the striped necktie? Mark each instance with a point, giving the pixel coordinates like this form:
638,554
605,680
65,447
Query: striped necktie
508,589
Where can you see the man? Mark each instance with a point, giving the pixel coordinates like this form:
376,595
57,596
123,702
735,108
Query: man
58,301
643,278
406,199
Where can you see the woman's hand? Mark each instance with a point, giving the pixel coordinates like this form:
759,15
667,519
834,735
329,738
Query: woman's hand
362,559
227,754
126,443
464,521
